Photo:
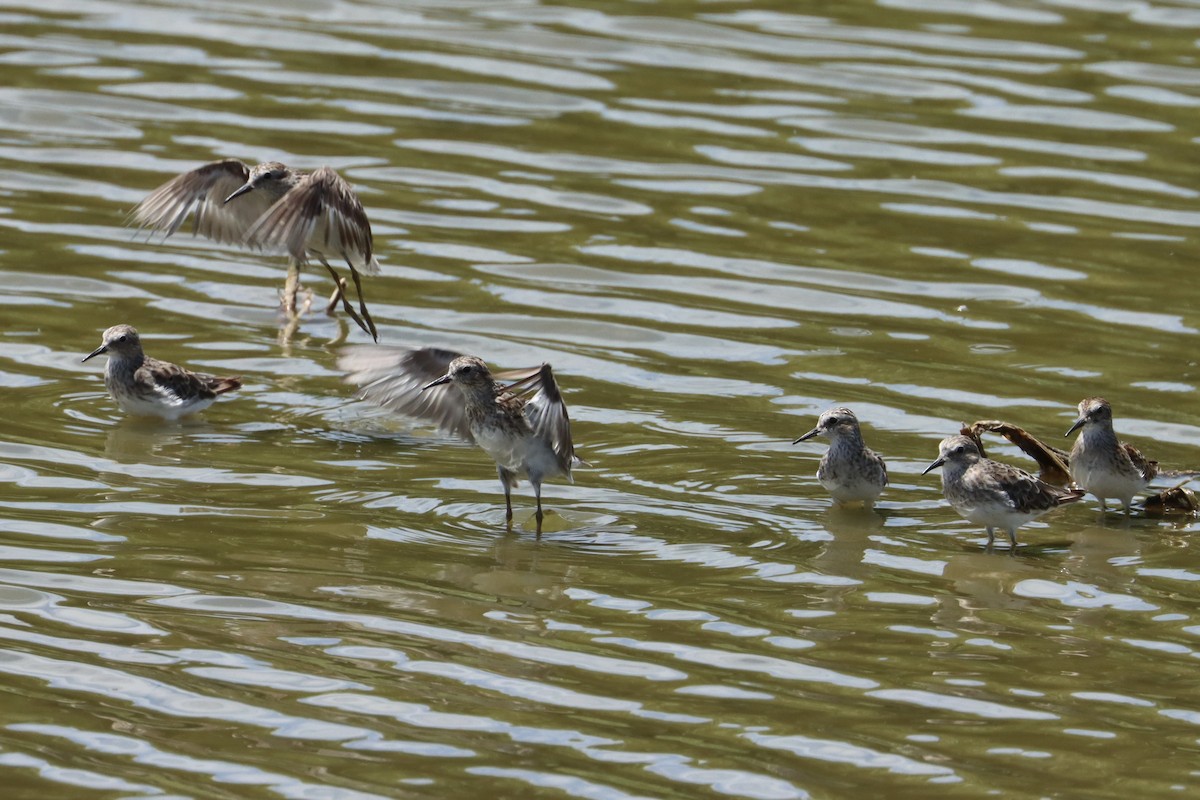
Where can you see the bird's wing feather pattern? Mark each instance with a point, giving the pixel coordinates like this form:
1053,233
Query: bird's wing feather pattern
878,459
221,385
204,189
547,413
1146,468
321,213
180,382
392,377
1021,491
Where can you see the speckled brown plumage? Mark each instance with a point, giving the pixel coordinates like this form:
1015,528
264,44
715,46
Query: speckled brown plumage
849,470
274,208
144,385
1101,463
993,494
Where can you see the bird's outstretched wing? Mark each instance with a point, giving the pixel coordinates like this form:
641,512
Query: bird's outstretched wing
393,377
204,190
321,213
546,411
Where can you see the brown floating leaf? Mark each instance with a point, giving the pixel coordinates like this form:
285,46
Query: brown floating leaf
1050,460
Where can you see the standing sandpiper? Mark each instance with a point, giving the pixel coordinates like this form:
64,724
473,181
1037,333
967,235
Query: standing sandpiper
523,425
146,386
849,470
992,494
275,208
1102,464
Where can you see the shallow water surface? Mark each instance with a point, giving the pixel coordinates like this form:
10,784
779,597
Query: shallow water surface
715,220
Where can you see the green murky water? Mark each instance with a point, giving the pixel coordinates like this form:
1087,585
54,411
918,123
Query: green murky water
715,220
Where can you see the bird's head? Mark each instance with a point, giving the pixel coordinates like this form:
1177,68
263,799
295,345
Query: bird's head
1091,410
955,450
265,174
120,341
468,372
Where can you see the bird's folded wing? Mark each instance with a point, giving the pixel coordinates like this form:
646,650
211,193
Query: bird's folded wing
204,189
321,213
1146,468
174,380
1028,493
393,377
546,411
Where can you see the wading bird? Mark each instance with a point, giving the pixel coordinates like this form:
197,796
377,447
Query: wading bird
993,494
518,417
271,207
146,386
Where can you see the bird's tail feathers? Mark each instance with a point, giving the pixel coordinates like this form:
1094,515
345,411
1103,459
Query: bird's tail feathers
223,385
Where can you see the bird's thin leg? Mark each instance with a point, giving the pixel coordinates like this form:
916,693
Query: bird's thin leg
339,283
506,484
336,297
991,539
288,330
362,304
1012,538
291,288
338,279
291,322
537,491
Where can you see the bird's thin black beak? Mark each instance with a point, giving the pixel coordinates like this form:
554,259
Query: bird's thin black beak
241,190
933,466
438,382
806,436
101,349
1078,424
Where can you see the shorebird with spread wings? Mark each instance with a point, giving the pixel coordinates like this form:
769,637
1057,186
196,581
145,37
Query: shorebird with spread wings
272,207
518,416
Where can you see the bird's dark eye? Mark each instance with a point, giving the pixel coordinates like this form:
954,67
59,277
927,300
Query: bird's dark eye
122,338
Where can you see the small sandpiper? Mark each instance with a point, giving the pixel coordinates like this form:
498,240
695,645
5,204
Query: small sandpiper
1102,464
521,423
992,494
146,386
849,470
304,214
